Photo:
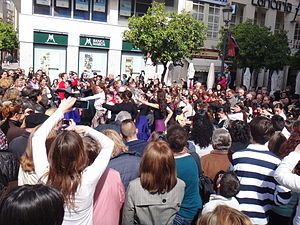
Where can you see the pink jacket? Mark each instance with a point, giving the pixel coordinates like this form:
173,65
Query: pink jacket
108,198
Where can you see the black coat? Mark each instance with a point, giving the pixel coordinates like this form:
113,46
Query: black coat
9,168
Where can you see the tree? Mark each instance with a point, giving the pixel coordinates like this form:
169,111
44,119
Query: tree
294,60
166,36
259,47
8,37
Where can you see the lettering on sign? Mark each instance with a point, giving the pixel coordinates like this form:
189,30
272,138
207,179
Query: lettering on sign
97,42
274,4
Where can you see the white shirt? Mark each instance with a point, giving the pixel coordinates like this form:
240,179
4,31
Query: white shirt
215,200
83,213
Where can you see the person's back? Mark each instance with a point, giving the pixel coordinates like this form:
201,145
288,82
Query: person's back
255,168
187,170
108,198
217,160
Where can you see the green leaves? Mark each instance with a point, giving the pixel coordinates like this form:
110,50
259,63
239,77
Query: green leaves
259,47
8,37
166,36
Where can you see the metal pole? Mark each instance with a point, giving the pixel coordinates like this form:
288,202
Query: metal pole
224,48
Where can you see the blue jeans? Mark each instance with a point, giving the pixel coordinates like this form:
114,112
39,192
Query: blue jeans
179,220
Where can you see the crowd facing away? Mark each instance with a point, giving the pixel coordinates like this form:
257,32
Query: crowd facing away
87,149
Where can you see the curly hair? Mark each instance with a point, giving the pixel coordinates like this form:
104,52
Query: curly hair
202,130
161,101
240,131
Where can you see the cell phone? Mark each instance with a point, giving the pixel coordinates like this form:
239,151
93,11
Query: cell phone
81,104
66,122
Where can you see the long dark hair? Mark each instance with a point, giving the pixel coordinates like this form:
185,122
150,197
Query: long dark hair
202,130
161,101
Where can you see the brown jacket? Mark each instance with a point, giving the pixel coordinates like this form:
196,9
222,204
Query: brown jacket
214,162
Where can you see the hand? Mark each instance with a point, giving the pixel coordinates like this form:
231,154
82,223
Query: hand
71,126
80,129
67,104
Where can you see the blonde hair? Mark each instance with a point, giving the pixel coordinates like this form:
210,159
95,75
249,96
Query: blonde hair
119,144
26,160
50,111
224,215
11,94
6,82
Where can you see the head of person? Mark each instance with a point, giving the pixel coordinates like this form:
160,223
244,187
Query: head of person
240,92
224,215
119,146
126,96
278,122
221,139
278,108
275,142
35,95
261,130
158,159
221,113
177,138
292,142
240,131
32,205
11,94
92,148
228,184
128,130
12,111
67,159
202,125
123,115
98,88
26,160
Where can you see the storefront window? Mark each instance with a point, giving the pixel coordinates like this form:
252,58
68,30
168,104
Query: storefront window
62,8
198,10
42,7
213,21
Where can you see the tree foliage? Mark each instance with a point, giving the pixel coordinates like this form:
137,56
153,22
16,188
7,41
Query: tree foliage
167,36
294,60
259,47
8,37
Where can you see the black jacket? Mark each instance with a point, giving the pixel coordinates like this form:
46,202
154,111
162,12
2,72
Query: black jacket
9,168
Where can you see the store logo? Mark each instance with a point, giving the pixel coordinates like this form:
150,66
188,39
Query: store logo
296,14
51,39
88,41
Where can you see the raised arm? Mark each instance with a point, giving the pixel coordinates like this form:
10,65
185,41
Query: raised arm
284,173
95,171
39,138
170,113
153,105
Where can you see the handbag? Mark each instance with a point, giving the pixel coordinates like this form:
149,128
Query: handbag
206,185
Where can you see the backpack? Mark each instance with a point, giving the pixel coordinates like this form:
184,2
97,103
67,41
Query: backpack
206,186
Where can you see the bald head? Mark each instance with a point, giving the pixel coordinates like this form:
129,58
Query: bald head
128,129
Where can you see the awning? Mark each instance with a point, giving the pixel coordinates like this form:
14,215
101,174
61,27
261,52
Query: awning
202,65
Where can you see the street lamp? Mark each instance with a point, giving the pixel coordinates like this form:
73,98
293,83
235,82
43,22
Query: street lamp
227,14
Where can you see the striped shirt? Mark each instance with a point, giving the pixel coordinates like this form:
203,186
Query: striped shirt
255,168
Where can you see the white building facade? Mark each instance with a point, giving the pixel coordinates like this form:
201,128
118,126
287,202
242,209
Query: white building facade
86,35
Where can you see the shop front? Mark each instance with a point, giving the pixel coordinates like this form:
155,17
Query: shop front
50,52
133,60
93,55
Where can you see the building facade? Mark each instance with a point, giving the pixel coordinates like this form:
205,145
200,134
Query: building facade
86,35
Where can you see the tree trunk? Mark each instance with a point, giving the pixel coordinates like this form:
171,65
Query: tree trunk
164,72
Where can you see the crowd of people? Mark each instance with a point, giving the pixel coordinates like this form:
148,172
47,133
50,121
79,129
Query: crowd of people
87,149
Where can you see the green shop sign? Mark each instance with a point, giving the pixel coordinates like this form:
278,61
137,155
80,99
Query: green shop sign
127,46
94,42
50,38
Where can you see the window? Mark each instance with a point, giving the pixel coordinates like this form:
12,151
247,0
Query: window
213,21
128,8
42,7
296,42
62,8
237,16
79,9
279,23
198,10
